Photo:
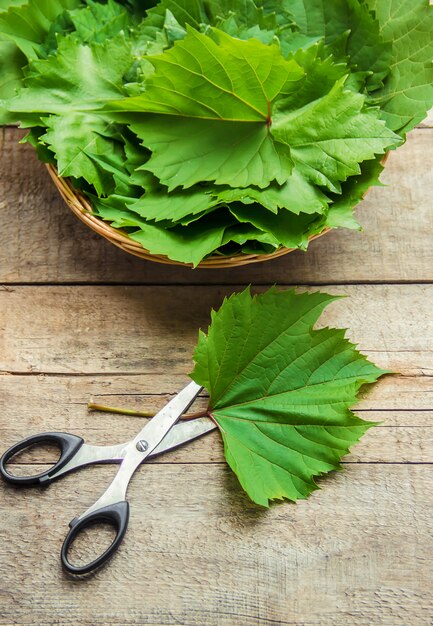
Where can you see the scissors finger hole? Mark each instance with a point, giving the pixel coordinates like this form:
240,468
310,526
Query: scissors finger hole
33,459
92,541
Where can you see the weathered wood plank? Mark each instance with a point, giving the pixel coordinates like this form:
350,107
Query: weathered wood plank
44,242
31,404
46,397
73,330
384,444
356,553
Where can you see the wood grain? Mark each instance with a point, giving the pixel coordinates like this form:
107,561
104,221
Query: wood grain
198,553
31,404
138,330
43,242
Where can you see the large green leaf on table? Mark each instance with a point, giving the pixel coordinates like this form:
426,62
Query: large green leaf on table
366,49
332,135
211,105
281,391
408,92
28,25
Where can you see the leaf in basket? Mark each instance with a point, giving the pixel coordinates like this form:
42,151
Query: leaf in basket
340,214
349,29
214,90
407,95
186,244
296,195
159,204
79,140
331,136
11,76
100,21
217,126
28,25
281,391
217,96
292,230
77,78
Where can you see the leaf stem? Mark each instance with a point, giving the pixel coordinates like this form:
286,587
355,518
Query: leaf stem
131,413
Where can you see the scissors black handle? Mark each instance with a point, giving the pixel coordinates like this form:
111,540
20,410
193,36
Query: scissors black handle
68,444
117,515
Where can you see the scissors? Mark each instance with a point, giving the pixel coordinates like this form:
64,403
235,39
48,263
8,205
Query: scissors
159,435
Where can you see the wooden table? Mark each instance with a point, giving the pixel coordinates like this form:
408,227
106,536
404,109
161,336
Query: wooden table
80,319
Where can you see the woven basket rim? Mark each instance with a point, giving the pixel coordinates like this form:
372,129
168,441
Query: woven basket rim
82,208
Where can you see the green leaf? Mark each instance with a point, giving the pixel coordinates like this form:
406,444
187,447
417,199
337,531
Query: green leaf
158,204
340,214
222,91
332,135
408,92
366,49
187,244
97,22
77,78
7,4
289,229
11,63
28,25
281,391
296,195
77,139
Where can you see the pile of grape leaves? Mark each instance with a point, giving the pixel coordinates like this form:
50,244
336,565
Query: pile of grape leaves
212,126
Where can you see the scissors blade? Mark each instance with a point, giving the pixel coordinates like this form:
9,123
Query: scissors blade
184,432
178,435
158,427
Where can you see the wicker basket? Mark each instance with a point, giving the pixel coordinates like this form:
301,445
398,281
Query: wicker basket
82,208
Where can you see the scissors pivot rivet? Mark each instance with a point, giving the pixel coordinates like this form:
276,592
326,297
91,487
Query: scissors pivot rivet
142,445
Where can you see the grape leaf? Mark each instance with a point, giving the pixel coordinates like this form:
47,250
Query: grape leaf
158,204
408,92
77,139
366,49
28,25
340,214
70,85
97,22
186,244
296,195
291,230
11,63
330,136
221,91
213,90
78,77
281,391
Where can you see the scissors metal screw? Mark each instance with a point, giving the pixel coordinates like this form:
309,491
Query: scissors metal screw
159,435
